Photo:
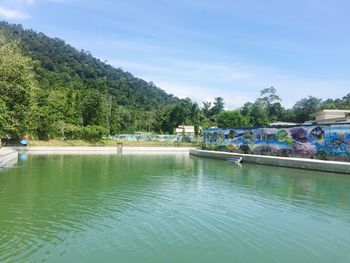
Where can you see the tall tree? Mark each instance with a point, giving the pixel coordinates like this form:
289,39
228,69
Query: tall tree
270,95
231,119
305,107
206,108
274,107
218,106
17,88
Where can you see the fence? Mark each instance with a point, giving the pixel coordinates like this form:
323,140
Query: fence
331,141
155,138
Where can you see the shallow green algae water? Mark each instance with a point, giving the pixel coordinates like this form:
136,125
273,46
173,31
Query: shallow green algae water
171,208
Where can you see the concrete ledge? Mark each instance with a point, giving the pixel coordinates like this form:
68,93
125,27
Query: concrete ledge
300,163
80,150
8,157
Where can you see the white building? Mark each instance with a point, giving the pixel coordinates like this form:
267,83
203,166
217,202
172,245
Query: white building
182,129
330,116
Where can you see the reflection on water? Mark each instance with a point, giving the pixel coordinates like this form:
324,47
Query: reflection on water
23,156
170,208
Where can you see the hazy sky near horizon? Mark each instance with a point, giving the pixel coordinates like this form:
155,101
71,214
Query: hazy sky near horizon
204,48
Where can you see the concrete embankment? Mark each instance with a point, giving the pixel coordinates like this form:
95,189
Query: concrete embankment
106,150
8,157
301,163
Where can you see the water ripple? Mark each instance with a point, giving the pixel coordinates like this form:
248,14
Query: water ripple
170,209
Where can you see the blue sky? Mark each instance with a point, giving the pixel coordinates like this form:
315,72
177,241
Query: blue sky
205,48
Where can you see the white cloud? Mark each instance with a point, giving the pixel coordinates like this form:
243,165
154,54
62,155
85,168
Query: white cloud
189,70
12,14
236,83
198,80
16,9
29,2
199,93
16,4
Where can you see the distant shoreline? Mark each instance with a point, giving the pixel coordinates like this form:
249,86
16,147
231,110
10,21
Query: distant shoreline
91,150
107,143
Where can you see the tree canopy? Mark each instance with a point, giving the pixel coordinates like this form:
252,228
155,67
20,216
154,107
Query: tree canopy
17,89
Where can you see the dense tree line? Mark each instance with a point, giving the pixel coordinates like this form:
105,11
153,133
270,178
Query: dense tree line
48,89
268,109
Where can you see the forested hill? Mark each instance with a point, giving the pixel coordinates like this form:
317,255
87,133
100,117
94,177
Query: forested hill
55,56
53,90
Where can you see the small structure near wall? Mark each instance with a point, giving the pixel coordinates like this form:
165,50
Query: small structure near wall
182,129
119,148
330,116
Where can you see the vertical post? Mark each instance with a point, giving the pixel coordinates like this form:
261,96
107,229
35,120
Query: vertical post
119,148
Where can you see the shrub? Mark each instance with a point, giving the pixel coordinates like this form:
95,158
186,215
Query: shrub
92,133
71,132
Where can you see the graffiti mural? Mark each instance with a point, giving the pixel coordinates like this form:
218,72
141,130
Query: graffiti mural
166,138
319,141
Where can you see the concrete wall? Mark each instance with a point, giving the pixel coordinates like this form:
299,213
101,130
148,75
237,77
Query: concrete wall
90,150
316,141
300,163
8,157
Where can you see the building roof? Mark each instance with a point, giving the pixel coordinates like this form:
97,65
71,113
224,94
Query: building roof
329,116
330,121
330,111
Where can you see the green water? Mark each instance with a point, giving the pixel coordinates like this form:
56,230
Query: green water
171,208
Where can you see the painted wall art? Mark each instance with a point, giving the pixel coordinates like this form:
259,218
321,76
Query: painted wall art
315,141
167,138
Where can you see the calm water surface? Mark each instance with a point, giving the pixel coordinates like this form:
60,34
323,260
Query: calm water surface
171,208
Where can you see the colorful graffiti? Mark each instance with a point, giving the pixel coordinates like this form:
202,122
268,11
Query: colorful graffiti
167,138
319,141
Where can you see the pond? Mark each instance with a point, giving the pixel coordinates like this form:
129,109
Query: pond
170,208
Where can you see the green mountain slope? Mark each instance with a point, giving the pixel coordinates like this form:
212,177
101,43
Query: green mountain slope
55,56
75,90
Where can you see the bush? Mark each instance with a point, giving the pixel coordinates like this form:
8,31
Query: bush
89,133
92,133
71,132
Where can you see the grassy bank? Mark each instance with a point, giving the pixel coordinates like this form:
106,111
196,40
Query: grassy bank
108,143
